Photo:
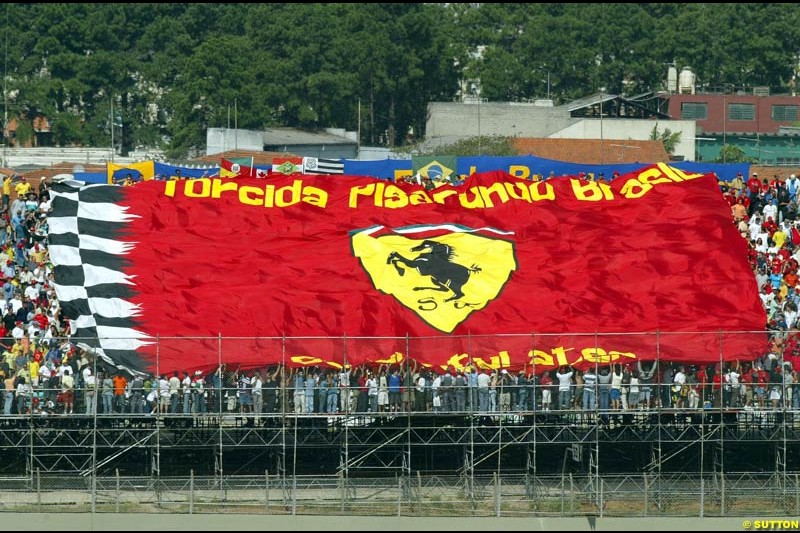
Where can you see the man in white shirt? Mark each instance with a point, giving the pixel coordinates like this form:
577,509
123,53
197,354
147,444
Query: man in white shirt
564,375
186,386
174,388
15,302
32,290
18,332
257,384
678,381
483,391
90,390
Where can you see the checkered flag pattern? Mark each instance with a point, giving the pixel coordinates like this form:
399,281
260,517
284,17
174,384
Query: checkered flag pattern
89,269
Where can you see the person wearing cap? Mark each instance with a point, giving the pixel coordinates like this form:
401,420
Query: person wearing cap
737,183
22,188
18,332
32,291
754,185
504,385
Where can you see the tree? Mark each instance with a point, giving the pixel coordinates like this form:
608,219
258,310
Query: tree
733,154
492,145
667,137
174,69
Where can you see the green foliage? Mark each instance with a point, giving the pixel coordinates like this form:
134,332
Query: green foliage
494,145
175,69
669,138
66,129
733,154
24,134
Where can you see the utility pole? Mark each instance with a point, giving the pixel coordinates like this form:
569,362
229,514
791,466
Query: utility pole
235,126
112,127
602,154
358,135
5,97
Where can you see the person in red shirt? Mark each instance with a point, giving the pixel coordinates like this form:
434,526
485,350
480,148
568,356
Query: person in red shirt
776,265
730,196
770,226
745,200
790,277
753,184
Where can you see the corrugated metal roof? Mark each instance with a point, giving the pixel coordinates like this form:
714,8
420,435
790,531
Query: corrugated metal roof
588,101
259,158
292,136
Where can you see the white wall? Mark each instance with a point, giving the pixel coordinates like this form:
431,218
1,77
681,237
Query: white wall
220,140
632,129
451,121
455,119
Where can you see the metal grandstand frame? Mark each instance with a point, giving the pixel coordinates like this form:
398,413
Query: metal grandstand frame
469,447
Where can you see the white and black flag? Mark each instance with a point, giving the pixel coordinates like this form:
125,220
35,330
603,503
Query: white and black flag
316,165
89,270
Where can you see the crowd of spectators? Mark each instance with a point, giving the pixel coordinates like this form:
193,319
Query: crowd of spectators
45,373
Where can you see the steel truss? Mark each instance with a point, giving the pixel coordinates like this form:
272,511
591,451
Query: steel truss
285,445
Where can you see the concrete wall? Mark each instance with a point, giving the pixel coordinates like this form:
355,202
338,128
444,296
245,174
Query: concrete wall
637,130
223,139
45,157
371,153
327,151
450,121
455,119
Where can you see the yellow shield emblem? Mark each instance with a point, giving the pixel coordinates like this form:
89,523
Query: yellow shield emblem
443,279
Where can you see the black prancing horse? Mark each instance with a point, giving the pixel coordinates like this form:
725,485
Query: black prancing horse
435,260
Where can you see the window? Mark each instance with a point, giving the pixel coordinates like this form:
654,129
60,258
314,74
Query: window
784,113
694,111
741,111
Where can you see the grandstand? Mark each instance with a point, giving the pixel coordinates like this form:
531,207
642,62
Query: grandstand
531,453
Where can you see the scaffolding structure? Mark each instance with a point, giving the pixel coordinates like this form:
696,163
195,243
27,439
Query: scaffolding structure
529,451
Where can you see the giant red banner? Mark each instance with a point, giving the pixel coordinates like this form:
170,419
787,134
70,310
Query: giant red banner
498,272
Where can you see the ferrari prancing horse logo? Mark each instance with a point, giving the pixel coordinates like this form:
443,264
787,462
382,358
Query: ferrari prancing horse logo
443,279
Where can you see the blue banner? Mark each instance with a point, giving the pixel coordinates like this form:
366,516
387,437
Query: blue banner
532,167
165,171
387,169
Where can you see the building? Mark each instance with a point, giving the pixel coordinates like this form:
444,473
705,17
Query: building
599,116
330,143
761,124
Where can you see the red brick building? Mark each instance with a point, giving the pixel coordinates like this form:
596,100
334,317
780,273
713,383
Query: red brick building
736,113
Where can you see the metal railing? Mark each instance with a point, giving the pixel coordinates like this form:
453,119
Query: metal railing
643,495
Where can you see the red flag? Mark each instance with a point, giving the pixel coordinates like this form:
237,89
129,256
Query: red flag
230,169
795,236
499,272
287,165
